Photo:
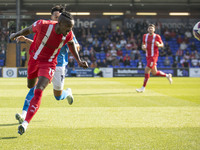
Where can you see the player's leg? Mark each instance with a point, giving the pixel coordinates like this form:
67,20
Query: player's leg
29,96
146,78
32,71
35,102
162,74
150,64
45,74
58,84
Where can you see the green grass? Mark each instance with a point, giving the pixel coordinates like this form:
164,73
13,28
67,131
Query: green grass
107,115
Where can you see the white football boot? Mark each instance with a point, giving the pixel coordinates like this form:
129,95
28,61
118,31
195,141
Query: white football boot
70,97
22,128
19,118
141,90
169,77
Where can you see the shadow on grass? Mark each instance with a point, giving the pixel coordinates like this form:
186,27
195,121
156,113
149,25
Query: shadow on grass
11,124
7,138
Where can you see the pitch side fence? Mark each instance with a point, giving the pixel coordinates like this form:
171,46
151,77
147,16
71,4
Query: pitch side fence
8,72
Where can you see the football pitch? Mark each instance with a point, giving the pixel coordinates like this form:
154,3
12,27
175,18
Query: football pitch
107,114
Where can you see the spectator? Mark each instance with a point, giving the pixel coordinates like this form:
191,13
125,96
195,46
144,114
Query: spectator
123,42
132,55
23,57
119,52
193,46
169,52
175,64
183,46
162,53
127,62
103,48
179,39
104,63
179,54
73,72
98,72
115,61
173,34
109,57
137,54
187,55
184,63
167,35
113,51
194,62
89,39
197,55
97,49
93,64
188,34
86,52
166,61
71,63
140,64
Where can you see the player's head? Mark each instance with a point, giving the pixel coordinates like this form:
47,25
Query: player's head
151,28
65,22
55,12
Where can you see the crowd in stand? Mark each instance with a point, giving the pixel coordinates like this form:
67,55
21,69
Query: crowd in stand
4,33
121,47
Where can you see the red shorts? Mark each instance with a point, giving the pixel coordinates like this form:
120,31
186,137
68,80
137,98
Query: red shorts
36,69
152,62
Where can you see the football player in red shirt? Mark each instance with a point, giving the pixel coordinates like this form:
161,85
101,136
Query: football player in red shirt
49,37
151,43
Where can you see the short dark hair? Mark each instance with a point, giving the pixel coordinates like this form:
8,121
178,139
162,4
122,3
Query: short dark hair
57,8
67,15
151,25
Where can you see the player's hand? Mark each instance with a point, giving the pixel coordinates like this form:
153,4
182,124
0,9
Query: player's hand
83,64
12,36
144,47
21,39
157,43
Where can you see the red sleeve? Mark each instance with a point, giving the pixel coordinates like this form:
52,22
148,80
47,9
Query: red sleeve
143,41
158,38
36,26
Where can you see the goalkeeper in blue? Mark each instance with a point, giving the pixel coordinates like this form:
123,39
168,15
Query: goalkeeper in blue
59,75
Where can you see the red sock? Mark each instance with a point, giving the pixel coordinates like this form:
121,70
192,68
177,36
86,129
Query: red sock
160,73
147,76
34,105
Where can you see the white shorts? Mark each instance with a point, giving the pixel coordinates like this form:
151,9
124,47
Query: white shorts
59,78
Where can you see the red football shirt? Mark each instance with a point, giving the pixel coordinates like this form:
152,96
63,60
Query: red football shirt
47,43
150,42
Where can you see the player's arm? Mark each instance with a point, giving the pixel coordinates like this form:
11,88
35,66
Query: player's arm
159,44
159,41
144,47
24,32
24,39
74,52
143,43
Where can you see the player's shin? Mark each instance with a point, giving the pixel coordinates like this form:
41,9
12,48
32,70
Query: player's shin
147,76
28,99
34,105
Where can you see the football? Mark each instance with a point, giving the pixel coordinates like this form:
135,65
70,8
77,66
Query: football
196,30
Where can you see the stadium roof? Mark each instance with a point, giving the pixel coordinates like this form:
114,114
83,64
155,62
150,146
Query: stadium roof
95,6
